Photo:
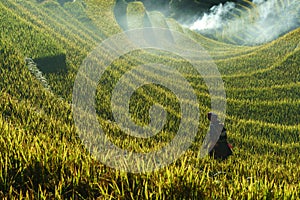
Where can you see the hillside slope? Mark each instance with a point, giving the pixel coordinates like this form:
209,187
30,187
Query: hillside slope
42,156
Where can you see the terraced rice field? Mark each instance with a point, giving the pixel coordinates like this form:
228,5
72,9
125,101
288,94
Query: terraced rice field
42,156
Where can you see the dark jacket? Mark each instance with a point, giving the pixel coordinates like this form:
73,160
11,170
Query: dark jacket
221,150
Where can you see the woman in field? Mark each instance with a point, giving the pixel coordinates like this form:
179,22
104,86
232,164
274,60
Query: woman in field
221,149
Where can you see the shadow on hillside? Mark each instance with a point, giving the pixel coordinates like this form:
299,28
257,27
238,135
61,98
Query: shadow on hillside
120,13
52,64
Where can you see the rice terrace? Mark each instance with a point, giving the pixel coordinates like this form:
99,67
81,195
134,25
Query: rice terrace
116,99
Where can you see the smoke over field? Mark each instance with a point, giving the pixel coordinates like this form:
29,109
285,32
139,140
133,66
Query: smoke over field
260,22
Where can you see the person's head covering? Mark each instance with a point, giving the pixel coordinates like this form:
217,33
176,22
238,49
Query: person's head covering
210,114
